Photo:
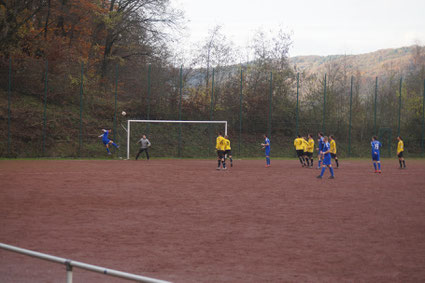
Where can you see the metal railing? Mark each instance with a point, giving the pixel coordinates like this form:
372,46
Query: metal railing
71,263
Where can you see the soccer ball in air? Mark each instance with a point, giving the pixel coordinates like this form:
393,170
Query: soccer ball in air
123,113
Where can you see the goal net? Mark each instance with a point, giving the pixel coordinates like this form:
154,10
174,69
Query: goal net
174,138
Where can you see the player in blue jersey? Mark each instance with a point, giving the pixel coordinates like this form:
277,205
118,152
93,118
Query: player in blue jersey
320,145
376,146
106,141
266,146
326,152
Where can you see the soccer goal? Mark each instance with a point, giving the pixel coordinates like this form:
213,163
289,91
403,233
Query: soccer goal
173,134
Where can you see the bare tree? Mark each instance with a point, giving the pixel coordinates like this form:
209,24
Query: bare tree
215,51
142,20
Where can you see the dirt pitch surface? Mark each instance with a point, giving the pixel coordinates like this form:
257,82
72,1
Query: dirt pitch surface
183,221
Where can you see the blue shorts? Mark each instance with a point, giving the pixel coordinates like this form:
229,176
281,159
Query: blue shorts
375,157
105,142
327,159
267,152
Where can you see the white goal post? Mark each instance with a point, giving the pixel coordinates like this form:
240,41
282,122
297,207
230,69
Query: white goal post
168,121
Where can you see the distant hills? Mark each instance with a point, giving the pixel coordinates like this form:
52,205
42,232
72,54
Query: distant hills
378,63
369,64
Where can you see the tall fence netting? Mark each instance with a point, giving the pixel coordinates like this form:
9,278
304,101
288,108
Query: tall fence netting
58,109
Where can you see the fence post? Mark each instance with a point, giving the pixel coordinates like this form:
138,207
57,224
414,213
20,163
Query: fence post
68,272
149,93
115,105
296,112
423,123
211,110
399,106
180,110
240,115
81,109
148,99
45,107
349,123
324,107
374,108
212,96
270,105
9,88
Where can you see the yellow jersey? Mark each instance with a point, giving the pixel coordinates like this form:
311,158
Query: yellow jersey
220,145
400,147
333,147
305,145
310,147
227,144
298,143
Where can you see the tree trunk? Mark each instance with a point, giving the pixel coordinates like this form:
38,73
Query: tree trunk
108,44
47,19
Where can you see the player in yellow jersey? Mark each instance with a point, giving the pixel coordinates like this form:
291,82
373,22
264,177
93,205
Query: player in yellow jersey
298,144
400,150
305,159
333,150
228,150
310,149
220,147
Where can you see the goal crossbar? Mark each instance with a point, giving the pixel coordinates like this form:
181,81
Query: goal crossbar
168,121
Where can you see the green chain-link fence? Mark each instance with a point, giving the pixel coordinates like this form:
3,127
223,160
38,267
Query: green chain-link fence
51,110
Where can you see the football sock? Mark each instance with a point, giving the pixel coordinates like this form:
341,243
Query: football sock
114,144
374,165
379,165
308,161
337,164
323,171
404,163
301,160
268,160
219,163
312,162
320,163
400,163
231,160
107,149
332,171
224,164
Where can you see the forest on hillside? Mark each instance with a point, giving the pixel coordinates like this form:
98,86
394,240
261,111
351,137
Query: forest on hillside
69,67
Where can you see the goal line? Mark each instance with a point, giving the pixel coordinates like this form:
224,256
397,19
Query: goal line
167,121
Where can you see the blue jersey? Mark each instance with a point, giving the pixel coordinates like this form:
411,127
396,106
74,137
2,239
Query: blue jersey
326,147
105,135
267,144
376,146
321,144
105,139
267,147
327,157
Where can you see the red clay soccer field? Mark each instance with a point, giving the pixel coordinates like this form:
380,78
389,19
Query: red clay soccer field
183,221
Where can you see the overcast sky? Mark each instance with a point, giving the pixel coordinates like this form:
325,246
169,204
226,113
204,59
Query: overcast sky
319,27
